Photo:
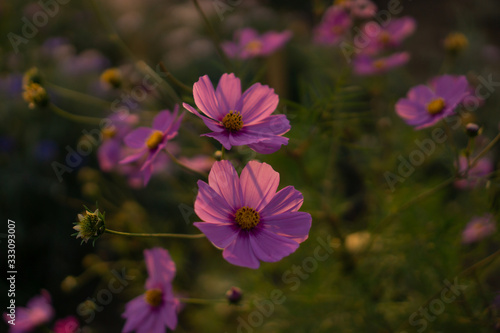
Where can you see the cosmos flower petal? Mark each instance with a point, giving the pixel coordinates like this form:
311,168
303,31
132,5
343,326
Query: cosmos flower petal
108,154
222,137
256,103
293,225
240,252
136,312
269,146
270,247
246,35
169,315
134,157
205,99
161,268
259,183
421,94
220,234
138,137
287,199
452,89
230,49
210,206
162,120
228,92
223,178
212,124
273,40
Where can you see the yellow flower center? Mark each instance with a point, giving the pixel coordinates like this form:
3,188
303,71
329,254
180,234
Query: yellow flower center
232,121
108,132
112,76
154,139
153,297
379,64
456,42
247,218
254,46
436,106
384,37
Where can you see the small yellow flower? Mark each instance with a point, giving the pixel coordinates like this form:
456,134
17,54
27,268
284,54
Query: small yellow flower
32,75
35,95
113,77
455,42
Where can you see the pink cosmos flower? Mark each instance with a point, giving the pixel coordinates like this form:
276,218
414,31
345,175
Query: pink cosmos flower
365,65
247,218
334,26
38,311
362,9
151,141
424,105
479,228
110,152
238,119
475,176
379,38
66,325
157,307
248,44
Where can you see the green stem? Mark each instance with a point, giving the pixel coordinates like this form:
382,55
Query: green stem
73,117
454,148
79,96
222,152
485,150
201,301
213,35
179,163
174,79
133,234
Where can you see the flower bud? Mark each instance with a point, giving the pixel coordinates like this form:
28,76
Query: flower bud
35,95
234,295
90,225
472,130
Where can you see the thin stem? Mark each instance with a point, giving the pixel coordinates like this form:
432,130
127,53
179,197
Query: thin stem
214,36
201,301
179,163
78,95
222,152
175,80
485,150
74,117
133,234
454,148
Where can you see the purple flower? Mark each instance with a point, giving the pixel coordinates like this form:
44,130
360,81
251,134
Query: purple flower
38,311
483,167
247,218
66,325
157,307
478,228
150,142
111,150
381,38
362,9
333,27
238,119
426,105
248,44
365,65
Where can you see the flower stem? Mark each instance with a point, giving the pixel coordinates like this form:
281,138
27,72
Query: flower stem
179,163
133,234
73,117
485,150
214,36
79,96
222,153
174,79
201,301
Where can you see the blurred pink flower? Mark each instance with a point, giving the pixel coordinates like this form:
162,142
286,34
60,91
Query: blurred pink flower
66,325
200,163
475,176
110,152
157,307
365,65
425,105
38,311
247,218
379,38
334,26
478,228
362,9
248,44
150,142
238,119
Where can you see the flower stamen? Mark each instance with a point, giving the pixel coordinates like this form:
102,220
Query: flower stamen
153,297
154,139
436,106
247,218
232,121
